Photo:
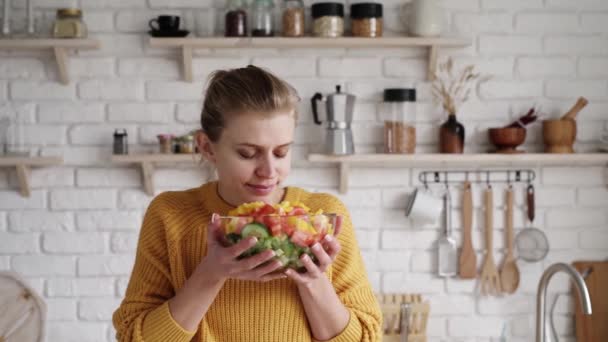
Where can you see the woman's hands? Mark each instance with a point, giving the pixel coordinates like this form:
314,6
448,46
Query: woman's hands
325,251
221,262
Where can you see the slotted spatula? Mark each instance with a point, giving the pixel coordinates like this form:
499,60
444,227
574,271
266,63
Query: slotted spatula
447,258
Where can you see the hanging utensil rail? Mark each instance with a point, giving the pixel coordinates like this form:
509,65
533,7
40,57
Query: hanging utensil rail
482,176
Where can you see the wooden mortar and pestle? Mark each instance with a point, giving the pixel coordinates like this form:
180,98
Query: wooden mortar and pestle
559,134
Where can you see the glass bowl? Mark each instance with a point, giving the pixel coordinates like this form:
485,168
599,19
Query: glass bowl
289,236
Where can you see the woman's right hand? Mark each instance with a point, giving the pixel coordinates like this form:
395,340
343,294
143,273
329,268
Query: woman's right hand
221,262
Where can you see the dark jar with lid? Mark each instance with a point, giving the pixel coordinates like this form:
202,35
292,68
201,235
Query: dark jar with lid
328,19
236,19
366,19
121,144
399,114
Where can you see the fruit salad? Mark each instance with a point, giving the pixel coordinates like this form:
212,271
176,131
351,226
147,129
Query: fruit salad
289,229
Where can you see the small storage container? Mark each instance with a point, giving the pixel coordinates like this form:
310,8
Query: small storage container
366,19
328,19
399,114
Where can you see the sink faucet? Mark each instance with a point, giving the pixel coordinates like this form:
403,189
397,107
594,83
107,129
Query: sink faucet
579,284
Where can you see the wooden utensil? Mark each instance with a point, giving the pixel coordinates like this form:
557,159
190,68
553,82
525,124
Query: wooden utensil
559,136
489,280
509,273
593,328
571,114
468,262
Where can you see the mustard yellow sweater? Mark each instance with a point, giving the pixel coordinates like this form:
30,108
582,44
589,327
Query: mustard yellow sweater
172,242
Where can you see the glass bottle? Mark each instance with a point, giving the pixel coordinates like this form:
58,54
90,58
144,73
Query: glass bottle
236,19
262,18
451,136
69,24
293,18
399,111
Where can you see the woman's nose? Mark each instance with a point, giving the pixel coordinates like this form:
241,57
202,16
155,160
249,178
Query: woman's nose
266,168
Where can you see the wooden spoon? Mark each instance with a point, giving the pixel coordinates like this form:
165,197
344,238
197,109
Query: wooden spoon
509,273
467,263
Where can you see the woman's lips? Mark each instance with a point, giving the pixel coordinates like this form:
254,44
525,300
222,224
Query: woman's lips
261,190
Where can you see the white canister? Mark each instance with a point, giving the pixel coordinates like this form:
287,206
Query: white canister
426,17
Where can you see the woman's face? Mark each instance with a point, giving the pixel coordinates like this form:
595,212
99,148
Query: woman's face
252,156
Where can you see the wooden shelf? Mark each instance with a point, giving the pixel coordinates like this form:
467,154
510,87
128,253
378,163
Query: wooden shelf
59,47
470,161
23,164
188,44
147,161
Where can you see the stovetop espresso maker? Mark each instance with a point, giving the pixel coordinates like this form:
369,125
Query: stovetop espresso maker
339,108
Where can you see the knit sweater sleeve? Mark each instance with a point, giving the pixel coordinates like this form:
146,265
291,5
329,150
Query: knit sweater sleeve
144,313
352,285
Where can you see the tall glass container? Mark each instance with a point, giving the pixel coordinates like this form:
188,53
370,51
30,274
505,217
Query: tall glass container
399,114
293,18
262,18
12,131
236,19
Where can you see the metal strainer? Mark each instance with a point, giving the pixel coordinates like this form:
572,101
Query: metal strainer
531,243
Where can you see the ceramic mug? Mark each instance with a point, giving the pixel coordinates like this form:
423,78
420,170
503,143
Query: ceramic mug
424,207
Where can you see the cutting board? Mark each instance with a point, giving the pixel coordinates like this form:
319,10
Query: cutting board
22,311
593,328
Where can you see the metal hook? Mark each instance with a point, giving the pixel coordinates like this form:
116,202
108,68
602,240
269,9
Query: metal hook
488,179
509,179
426,184
446,179
466,176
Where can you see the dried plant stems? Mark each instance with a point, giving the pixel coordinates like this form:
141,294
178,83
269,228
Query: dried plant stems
448,89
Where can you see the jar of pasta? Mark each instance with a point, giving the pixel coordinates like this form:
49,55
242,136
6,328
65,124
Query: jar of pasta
366,19
328,19
293,18
399,114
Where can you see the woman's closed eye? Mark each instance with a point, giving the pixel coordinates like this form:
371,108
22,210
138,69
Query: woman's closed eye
278,153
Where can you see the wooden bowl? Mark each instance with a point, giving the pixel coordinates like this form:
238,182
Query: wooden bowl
559,135
506,139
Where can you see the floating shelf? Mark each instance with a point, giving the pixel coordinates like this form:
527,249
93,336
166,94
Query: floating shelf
457,160
23,164
148,160
187,45
59,47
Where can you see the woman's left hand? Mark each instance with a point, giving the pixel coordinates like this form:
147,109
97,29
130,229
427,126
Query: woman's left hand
325,251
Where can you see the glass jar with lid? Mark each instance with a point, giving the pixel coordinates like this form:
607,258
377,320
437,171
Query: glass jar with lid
328,19
366,19
262,18
399,114
69,24
235,24
293,18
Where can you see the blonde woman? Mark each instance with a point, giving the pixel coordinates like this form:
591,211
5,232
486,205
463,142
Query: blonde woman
185,286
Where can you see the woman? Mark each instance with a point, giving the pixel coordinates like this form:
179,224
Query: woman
186,286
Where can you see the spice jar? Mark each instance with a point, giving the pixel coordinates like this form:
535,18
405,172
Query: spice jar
69,24
399,112
186,144
293,18
165,142
328,19
262,18
236,19
366,19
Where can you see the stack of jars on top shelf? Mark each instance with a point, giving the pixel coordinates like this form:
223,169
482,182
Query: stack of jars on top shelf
327,19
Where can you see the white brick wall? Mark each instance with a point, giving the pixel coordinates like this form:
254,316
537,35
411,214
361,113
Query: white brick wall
75,238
